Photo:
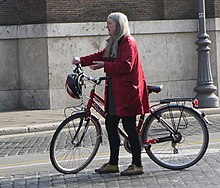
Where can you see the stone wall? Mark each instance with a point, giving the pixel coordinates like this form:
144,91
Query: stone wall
35,59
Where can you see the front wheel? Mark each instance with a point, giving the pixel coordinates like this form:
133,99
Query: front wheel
75,143
179,149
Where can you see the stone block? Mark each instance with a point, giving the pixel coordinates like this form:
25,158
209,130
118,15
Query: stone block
9,73
33,64
35,99
9,100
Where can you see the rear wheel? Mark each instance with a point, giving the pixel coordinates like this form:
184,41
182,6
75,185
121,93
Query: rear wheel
75,143
181,149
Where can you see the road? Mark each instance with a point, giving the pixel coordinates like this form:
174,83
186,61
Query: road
24,162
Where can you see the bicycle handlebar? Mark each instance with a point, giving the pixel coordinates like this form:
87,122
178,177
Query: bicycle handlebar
78,70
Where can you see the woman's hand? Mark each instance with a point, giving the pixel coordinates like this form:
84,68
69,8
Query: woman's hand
76,60
97,65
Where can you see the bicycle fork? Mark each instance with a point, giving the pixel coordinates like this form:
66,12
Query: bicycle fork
77,141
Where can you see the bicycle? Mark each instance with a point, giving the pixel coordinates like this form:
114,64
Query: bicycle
174,135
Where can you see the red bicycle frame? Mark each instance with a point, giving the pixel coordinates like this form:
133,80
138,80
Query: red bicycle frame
94,102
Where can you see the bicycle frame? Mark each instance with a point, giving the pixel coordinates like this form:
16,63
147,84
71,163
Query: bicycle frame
94,102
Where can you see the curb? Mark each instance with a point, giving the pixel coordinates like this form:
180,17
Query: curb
209,111
29,129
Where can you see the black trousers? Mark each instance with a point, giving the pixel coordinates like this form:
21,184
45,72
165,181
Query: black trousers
129,125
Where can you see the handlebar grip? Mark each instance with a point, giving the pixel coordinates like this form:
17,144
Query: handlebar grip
104,78
100,79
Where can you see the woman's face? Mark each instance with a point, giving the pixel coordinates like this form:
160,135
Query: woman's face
111,26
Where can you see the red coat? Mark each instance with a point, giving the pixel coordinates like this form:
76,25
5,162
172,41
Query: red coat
128,83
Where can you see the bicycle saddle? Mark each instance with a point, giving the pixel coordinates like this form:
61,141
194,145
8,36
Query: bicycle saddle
155,89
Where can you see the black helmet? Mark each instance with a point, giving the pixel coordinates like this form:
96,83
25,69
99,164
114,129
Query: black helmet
74,86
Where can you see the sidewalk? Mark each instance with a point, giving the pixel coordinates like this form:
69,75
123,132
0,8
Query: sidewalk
16,122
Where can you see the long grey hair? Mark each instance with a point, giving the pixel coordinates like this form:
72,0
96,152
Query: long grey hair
122,29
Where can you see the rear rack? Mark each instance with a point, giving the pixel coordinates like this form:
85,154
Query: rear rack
164,101
194,101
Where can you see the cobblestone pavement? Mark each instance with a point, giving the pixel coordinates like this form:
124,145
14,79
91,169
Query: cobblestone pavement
204,174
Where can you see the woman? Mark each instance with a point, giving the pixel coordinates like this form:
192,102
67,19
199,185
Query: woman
126,93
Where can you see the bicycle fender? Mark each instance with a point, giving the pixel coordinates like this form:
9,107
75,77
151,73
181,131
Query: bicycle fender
202,115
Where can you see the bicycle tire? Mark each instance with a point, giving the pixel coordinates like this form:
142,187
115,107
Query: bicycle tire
193,134
68,154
